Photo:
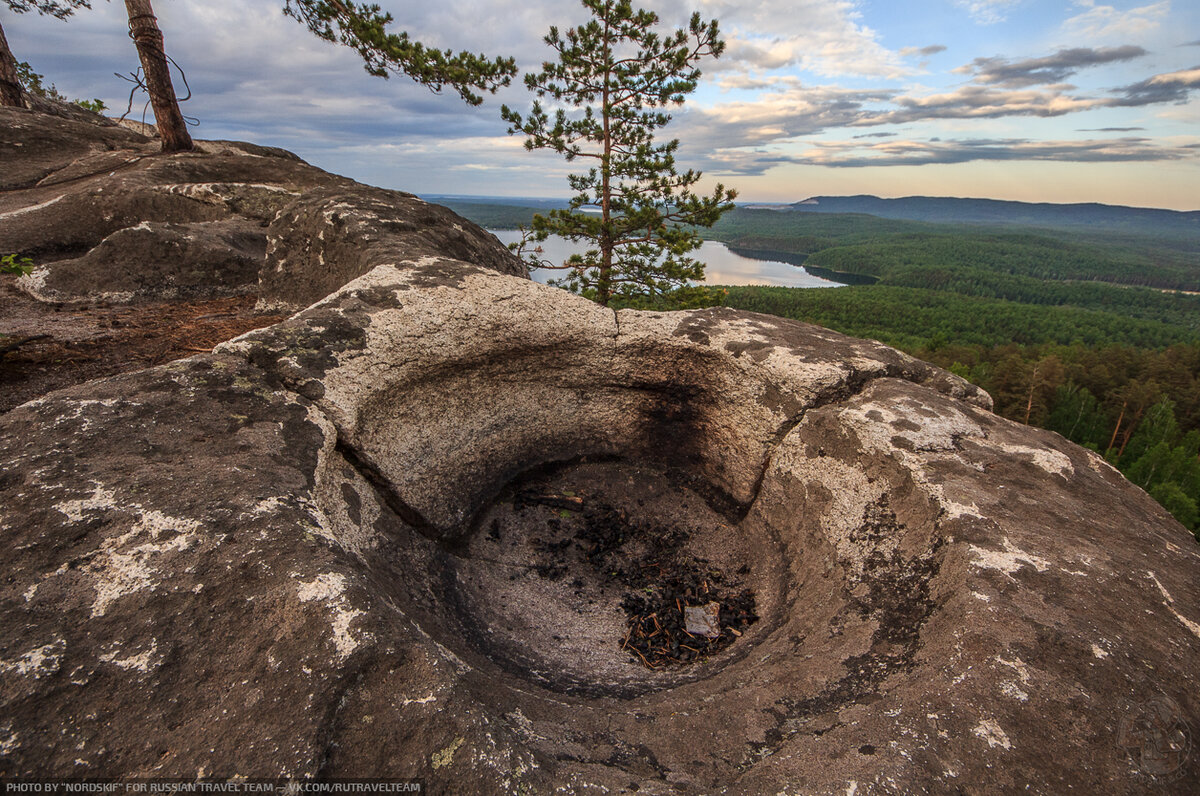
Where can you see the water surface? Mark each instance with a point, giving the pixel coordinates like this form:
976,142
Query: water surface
724,267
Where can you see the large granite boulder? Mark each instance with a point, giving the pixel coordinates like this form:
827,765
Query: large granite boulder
105,215
330,236
356,544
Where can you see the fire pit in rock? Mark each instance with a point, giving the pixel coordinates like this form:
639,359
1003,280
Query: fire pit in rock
583,577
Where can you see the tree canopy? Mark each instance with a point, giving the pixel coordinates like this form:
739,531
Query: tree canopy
363,28
55,8
616,74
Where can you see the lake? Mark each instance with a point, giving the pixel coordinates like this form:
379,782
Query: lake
724,267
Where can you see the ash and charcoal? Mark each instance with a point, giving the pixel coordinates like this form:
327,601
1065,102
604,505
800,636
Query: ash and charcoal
679,608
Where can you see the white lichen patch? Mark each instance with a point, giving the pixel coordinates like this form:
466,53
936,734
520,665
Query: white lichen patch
1101,465
123,567
267,506
1016,665
39,662
879,424
1049,460
1008,560
213,192
330,588
953,510
993,733
101,498
851,498
446,756
140,662
34,282
1188,623
1012,690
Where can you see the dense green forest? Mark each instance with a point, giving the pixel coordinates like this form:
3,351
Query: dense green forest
1083,332
875,247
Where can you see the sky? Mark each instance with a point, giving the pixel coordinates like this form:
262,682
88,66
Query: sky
1030,100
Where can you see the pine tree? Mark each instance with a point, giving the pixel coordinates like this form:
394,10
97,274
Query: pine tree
615,74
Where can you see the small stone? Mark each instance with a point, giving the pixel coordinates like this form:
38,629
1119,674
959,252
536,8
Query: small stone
703,620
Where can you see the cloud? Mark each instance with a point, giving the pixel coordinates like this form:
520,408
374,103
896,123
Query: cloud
791,110
986,12
259,76
770,118
1102,22
1048,69
824,36
1110,129
981,102
1168,87
921,153
932,49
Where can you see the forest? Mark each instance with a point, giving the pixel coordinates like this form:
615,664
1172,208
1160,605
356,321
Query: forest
1094,334
1081,332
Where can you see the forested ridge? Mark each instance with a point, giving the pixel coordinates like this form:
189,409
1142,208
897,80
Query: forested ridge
1082,331
1126,387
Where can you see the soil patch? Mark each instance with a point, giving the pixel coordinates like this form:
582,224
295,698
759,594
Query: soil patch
52,346
665,582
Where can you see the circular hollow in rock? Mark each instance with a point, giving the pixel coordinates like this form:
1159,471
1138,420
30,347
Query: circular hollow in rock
579,577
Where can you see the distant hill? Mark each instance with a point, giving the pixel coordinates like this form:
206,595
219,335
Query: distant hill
993,211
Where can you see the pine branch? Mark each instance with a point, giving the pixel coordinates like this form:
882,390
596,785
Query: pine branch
363,28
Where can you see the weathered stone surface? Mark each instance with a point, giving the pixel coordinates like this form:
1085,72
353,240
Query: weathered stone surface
207,259
330,237
33,144
270,562
81,197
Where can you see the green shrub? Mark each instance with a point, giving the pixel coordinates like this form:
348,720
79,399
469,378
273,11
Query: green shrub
12,264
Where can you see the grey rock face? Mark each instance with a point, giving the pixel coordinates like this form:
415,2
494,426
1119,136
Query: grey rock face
33,144
156,260
330,236
275,561
104,214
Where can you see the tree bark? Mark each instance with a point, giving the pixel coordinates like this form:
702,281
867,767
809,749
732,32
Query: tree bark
10,87
143,26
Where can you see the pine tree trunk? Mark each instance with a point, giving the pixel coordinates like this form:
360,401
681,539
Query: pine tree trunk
143,26
1117,430
604,285
10,87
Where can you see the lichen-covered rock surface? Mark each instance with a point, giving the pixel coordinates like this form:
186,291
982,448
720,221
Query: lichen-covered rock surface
320,552
107,217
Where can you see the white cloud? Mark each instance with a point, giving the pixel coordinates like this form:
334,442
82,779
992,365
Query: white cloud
827,37
793,111
1106,22
986,12
260,76
982,102
844,154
